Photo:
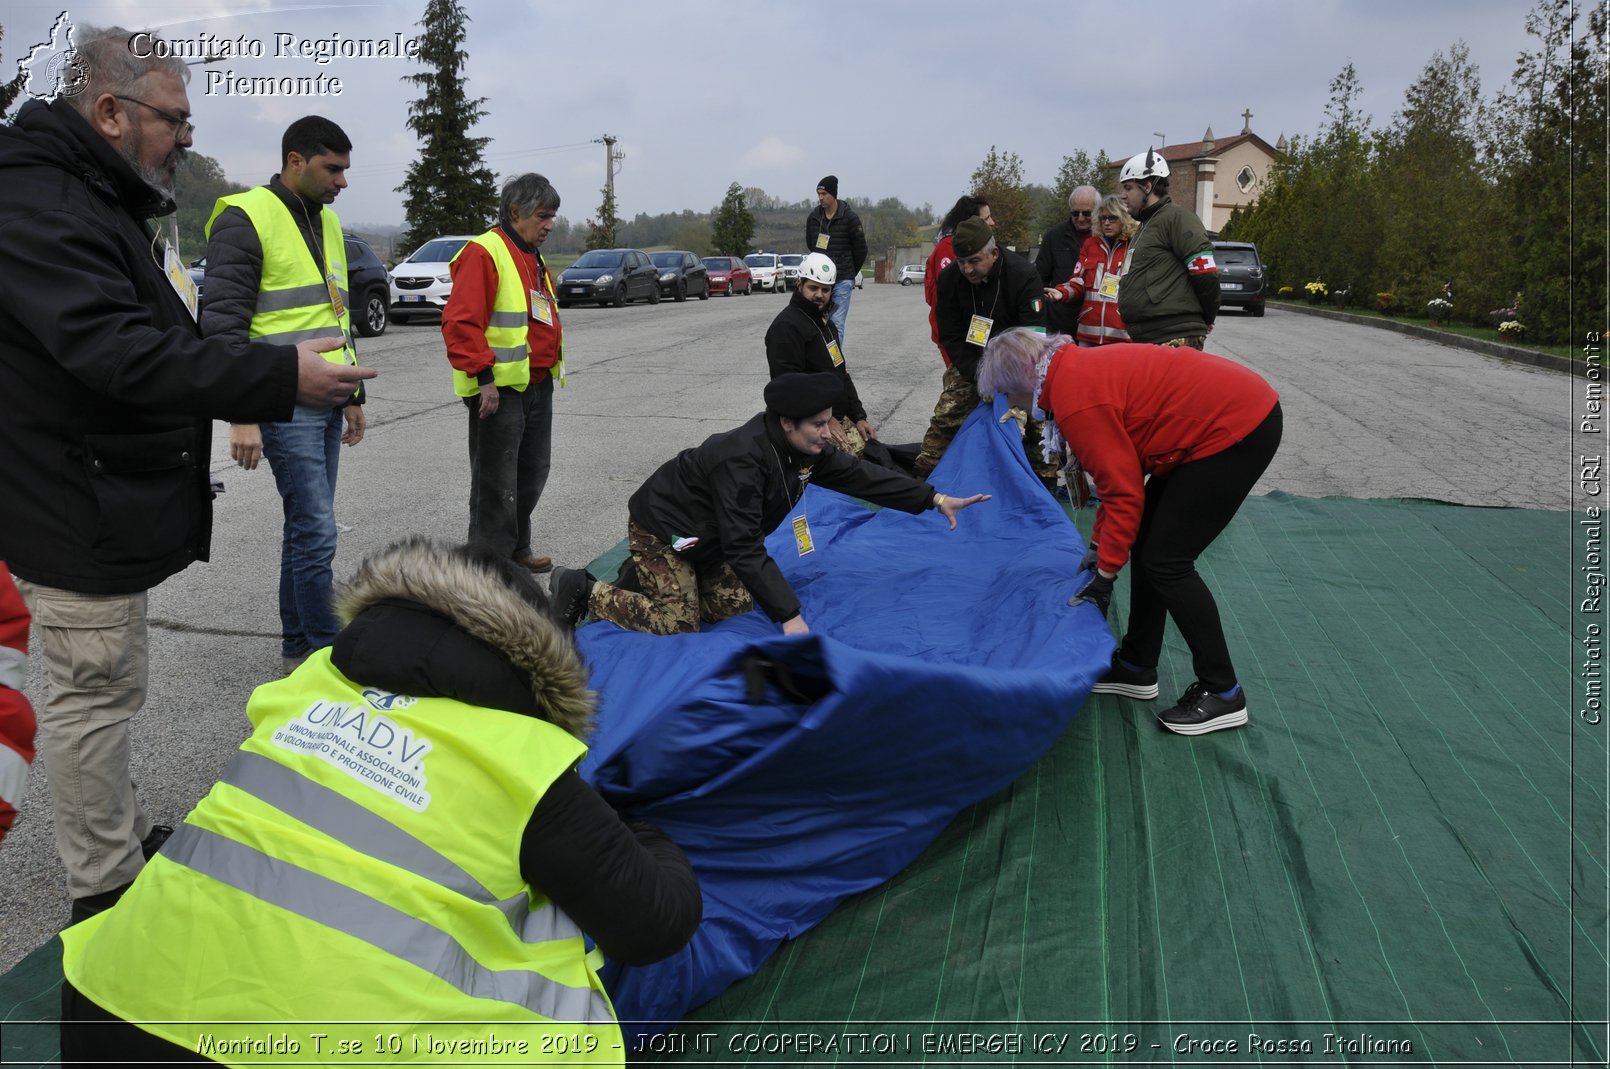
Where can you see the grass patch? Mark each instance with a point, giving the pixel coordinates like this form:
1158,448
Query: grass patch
1464,330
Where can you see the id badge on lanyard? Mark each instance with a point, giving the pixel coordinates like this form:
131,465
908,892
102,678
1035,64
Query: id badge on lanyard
336,304
802,536
978,330
835,353
180,280
541,308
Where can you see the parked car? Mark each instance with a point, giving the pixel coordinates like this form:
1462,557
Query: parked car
913,273
1241,275
728,275
790,262
368,288
765,271
681,274
610,276
421,282
198,274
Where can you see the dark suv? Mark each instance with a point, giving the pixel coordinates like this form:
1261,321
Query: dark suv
1241,275
368,287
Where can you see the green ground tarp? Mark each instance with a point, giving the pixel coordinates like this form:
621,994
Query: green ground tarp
1401,860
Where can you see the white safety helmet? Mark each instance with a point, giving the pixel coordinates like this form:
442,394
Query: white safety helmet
1149,164
818,267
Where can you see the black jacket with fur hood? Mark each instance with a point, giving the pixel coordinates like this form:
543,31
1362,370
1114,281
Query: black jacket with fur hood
432,622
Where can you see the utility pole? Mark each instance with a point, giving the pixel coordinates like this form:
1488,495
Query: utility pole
612,161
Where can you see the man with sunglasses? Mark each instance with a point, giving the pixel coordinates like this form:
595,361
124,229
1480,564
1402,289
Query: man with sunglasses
1059,255
110,392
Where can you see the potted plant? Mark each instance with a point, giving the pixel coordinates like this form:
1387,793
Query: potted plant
1437,308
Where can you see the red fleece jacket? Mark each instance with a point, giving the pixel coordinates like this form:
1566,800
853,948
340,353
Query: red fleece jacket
1130,410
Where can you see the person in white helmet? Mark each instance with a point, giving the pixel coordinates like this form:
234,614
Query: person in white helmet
1169,291
804,338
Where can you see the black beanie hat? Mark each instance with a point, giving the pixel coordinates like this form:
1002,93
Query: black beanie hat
831,184
798,395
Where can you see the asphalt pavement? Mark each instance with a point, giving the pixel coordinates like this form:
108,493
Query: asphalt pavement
1368,414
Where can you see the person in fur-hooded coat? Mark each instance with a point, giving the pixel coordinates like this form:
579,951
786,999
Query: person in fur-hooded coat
404,836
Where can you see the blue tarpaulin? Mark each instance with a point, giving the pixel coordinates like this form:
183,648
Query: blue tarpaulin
940,665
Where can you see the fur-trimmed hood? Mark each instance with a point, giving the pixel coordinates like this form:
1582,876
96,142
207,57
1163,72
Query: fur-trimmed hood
450,583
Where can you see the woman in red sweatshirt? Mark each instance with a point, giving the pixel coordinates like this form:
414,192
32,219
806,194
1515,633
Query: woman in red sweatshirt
1175,440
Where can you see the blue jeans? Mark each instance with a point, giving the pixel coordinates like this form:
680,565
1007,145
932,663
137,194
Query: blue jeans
510,454
842,289
304,454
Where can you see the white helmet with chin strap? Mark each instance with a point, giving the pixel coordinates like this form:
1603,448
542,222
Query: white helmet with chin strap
818,267
1149,164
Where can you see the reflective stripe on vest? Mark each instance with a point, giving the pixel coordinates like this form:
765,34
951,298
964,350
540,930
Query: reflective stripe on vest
506,328
293,298
359,829
324,901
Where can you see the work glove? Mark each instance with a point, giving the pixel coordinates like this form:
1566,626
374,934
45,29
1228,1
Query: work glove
1087,563
1097,592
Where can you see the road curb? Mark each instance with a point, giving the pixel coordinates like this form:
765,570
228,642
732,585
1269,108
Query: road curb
1512,353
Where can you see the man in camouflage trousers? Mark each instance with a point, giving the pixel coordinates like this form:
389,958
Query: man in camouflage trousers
981,293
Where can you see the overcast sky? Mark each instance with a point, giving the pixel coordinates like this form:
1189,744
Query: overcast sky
896,97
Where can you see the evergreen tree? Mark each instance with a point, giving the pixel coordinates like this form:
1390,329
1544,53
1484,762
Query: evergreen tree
604,233
1000,179
9,91
449,189
1429,154
734,225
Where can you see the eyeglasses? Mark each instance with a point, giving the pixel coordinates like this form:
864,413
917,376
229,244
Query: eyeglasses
1075,211
182,128
1108,218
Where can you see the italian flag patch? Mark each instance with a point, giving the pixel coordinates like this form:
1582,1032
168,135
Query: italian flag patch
1201,263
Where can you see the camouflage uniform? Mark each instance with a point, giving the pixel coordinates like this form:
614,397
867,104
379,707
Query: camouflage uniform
676,594
852,435
1194,341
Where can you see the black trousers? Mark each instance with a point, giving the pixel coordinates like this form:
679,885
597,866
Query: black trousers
1185,511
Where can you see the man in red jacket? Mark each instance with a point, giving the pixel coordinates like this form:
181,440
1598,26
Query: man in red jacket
501,326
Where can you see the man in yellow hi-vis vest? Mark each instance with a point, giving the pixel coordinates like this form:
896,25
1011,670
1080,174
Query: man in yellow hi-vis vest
501,326
277,271
404,839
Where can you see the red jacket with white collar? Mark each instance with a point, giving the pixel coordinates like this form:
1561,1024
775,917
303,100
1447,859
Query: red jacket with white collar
1099,323
1131,410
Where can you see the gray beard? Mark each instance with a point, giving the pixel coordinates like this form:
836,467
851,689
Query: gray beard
150,176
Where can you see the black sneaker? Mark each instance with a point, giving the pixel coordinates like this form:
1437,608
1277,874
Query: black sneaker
568,591
1200,711
1127,681
153,842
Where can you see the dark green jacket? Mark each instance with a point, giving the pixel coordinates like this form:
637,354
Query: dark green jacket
1158,298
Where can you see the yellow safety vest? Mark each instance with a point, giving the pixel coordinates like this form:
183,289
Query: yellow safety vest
293,298
354,878
506,332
